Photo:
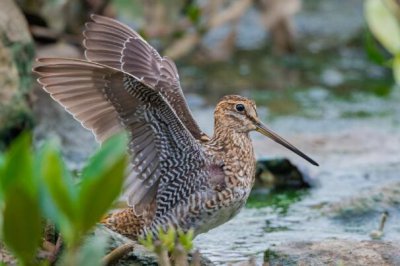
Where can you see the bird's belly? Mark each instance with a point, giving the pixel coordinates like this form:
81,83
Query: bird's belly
220,216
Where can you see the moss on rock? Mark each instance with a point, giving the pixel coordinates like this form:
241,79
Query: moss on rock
16,58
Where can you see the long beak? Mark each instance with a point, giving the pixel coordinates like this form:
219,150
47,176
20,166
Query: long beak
260,127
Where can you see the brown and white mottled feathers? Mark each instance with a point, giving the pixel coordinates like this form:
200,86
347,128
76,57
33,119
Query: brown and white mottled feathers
114,44
168,163
231,142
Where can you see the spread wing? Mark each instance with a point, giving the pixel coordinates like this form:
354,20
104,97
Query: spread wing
167,161
114,44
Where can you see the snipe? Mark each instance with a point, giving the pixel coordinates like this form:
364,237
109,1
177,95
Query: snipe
179,176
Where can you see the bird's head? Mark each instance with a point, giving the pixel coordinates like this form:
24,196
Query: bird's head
237,113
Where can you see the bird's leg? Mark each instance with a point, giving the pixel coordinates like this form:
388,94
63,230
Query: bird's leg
117,253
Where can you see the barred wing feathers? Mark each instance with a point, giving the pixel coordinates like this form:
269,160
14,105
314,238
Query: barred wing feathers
167,161
114,44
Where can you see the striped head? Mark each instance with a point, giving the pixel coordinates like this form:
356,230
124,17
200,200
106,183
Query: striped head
239,114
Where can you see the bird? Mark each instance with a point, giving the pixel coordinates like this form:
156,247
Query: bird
178,176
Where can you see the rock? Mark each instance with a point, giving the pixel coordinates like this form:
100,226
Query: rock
372,200
332,77
334,252
281,173
138,256
59,49
16,56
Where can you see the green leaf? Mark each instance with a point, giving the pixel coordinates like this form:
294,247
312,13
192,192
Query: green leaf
147,242
22,222
21,216
102,181
193,12
383,24
396,68
372,49
1,161
18,164
60,195
167,238
2,166
106,156
186,239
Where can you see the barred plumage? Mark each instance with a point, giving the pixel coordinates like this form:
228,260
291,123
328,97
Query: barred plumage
178,176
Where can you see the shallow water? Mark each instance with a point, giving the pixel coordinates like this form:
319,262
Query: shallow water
357,156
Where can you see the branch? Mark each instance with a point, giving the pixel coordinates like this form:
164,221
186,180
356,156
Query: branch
233,12
117,253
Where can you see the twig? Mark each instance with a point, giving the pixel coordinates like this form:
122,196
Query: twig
196,259
233,12
102,7
117,253
47,33
48,246
384,216
377,234
180,256
162,254
53,256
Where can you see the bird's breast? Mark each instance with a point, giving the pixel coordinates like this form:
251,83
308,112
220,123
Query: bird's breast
233,159
239,173
223,206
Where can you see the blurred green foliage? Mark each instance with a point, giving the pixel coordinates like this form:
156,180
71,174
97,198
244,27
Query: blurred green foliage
383,18
21,208
35,187
171,241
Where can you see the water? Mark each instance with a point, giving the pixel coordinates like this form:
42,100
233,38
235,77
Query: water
359,158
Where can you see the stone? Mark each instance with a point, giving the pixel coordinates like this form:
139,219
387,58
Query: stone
332,77
280,174
16,57
334,252
370,201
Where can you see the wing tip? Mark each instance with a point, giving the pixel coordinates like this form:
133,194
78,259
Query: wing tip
95,17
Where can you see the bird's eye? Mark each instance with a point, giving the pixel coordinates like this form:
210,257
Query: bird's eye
240,107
